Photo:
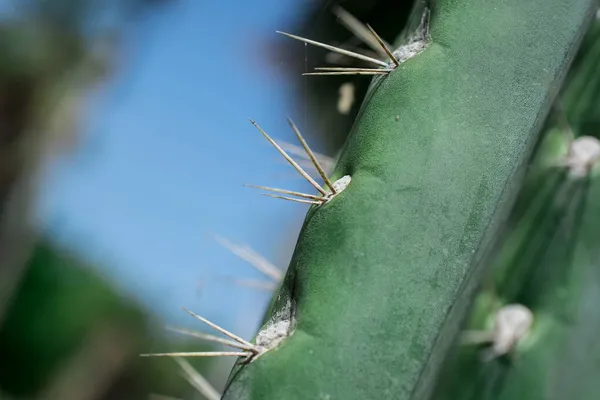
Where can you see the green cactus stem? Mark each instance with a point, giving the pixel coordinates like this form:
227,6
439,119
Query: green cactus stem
382,274
550,263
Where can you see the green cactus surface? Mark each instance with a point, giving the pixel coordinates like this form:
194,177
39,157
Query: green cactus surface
548,262
551,265
382,275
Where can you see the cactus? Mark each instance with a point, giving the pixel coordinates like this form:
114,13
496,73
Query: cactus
549,263
398,239
383,272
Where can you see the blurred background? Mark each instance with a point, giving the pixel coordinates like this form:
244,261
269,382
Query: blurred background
124,145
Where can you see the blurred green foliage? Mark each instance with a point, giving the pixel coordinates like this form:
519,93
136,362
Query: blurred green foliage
64,331
58,303
61,304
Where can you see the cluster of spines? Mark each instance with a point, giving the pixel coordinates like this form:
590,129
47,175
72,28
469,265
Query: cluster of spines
244,348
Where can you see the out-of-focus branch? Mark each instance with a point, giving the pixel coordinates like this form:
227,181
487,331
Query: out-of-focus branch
52,54
88,374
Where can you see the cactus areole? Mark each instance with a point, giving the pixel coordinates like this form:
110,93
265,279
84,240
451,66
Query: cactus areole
382,274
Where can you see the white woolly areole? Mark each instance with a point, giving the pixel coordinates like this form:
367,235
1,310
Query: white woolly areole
584,155
409,50
279,327
342,183
417,42
272,334
512,323
339,187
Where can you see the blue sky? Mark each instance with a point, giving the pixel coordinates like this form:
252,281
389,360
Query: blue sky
164,153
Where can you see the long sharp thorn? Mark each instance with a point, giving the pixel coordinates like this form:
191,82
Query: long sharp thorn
345,73
299,151
357,28
197,380
311,156
293,199
336,58
383,46
336,49
201,354
207,337
284,191
247,254
353,69
290,160
223,331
